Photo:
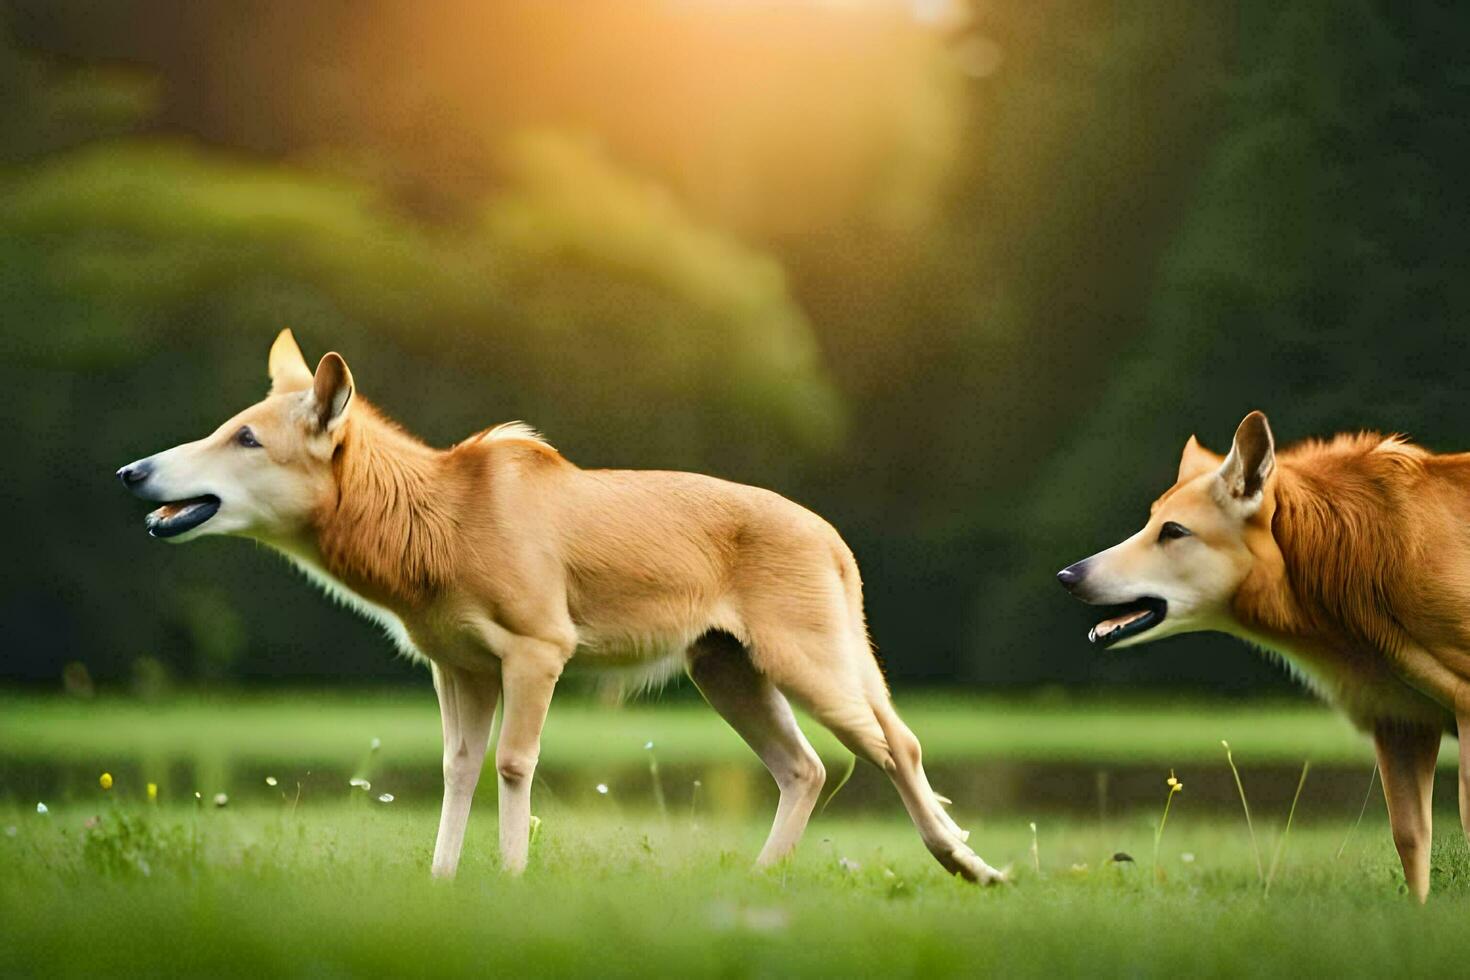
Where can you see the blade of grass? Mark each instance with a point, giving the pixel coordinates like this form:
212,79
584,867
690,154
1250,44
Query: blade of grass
1361,810
1175,786
1240,788
658,783
1281,844
846,775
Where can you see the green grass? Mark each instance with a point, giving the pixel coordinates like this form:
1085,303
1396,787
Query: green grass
342,888
580,732
335,883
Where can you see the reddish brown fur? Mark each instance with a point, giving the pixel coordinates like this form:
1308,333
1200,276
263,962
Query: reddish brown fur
1351,560
391,526
1370,530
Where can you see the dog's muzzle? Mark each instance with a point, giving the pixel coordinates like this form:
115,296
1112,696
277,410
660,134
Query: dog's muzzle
1124,620
175,517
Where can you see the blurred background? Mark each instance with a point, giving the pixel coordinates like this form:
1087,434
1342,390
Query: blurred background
961,277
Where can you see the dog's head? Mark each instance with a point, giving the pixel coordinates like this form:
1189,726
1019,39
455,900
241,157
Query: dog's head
263,472
1180,573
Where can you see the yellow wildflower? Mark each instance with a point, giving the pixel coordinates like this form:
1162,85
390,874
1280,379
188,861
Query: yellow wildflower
152,792
106,780
1174,784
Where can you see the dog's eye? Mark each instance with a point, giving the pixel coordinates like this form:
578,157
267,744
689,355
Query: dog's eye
1170,531
246,438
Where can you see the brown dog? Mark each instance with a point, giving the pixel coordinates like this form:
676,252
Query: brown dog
1350,559
498,561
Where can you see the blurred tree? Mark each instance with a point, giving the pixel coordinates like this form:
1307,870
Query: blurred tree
1318,277
963,288
1084,134
47,108
146,280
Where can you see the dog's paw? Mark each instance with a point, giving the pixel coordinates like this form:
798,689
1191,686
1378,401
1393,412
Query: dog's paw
998,877
971,867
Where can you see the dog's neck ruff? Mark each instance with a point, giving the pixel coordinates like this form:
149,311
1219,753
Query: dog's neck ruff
391,533
1326,521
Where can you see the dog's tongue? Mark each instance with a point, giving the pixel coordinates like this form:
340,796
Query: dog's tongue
1117,622
171,510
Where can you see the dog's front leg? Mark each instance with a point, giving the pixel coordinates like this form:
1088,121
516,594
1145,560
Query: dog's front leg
1406,757
529,672
1462,721
466,708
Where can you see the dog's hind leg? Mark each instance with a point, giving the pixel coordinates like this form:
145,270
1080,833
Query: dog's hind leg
761,715
1406,757
945,840
466,708
948,820
836,678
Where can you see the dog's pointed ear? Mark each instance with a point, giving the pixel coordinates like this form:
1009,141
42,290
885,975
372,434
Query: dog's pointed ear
288,370
331,392
1250,464
1195,460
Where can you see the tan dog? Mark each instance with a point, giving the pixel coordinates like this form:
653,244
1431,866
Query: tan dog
1350,559
498,561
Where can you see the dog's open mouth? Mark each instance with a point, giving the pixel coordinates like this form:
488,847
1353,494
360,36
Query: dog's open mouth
1129,620
181,515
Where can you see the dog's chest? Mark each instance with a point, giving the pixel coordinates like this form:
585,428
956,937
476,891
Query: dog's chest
1362,685
392,626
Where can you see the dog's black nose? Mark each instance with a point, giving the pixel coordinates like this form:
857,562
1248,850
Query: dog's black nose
1070,576
135,473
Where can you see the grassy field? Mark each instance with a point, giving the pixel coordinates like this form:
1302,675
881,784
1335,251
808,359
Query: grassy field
331,881
342,889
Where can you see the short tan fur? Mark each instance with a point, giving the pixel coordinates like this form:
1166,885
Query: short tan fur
499,561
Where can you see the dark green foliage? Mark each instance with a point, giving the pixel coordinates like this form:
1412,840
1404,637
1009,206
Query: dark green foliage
971,320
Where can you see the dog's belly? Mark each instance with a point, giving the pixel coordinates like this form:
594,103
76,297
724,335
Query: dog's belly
620,650
629,634
627,664
627,652
646,651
